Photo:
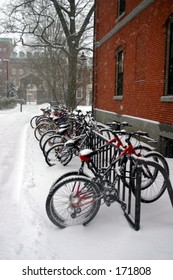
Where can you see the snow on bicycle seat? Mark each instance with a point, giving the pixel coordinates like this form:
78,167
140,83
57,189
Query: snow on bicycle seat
61,131
72,142
65,125
86,154
69,143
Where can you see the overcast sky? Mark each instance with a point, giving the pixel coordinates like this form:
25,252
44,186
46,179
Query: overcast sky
2,2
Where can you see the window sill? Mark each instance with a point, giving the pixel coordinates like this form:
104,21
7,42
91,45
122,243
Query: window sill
118,97
166,98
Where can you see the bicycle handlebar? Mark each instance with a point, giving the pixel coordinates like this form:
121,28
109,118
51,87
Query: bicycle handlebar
117,123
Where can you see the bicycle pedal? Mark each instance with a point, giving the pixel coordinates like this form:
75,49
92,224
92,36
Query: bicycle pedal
73,215
108,204
123,206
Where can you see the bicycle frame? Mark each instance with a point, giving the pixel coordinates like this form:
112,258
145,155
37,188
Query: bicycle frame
124,151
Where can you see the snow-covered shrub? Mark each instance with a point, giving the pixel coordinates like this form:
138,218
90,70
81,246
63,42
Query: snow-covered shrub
7,103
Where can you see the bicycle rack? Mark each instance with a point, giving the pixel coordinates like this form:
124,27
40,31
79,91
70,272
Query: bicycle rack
140,162
133,203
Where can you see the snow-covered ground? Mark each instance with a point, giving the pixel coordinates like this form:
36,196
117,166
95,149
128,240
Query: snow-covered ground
26,233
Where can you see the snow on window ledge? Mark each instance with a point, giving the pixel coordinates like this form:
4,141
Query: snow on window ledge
118,97
166,98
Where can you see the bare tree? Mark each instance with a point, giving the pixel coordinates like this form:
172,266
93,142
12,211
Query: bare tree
50,65
40,23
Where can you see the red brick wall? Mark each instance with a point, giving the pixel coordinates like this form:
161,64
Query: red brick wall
144,41
105,23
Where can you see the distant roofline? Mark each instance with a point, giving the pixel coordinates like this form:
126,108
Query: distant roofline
5,39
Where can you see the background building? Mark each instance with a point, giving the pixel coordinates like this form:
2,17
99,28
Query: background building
133,66
30,75
6,47
13,67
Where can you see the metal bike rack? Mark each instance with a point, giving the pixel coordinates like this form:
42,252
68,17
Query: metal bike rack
133,203
139,162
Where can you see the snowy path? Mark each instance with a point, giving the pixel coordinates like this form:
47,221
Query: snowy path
27,233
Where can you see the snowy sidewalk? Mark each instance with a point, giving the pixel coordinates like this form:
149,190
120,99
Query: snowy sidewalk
27,233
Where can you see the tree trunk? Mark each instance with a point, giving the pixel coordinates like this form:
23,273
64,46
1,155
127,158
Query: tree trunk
72,70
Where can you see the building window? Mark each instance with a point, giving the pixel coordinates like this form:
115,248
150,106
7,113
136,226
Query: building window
13,71
121,7
21,54
79,94
119,71
169,82
21,72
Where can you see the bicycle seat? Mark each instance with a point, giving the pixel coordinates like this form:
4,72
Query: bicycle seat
65,125
62,131
72,142
86,154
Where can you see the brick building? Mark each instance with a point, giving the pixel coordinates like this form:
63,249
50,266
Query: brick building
13,66
6,47
18,75
133,66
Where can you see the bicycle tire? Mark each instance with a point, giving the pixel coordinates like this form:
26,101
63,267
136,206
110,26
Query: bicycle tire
54,155
42,119
68,175
33,121
45,136
42,128
73,201
50,142
66,156
129,170
157,185
107,133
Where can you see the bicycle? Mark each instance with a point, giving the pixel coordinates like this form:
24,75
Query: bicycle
49,125
61,135
75,198
113,126
64,151
46,112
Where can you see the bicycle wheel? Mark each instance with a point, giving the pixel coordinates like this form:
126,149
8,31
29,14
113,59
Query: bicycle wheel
107,133
52,156
33,121
128,166
66,156
73,201
42,128
42,119
69,174
153,184
45,136
51,141
58,153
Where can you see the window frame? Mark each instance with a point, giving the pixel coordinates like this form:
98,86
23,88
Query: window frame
121,8
119,76
13,71
21,71
79,93
168,97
